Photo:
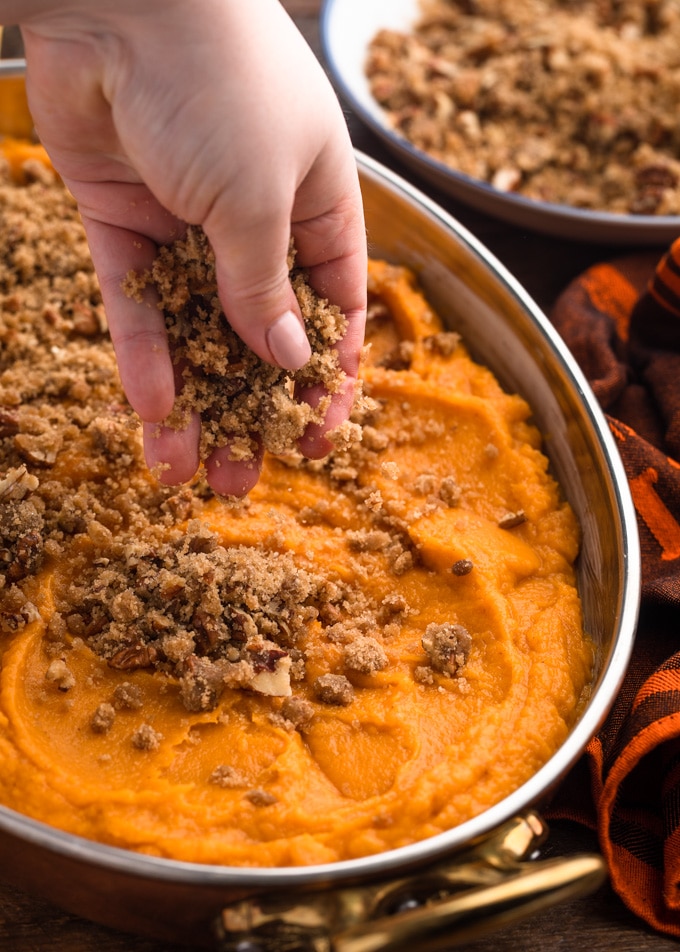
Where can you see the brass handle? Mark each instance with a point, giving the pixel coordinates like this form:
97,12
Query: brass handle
487,886
476,912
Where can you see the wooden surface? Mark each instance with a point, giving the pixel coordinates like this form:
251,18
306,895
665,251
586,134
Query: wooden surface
599,922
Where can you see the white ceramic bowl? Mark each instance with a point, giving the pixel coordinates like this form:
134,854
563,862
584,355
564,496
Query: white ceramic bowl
347,28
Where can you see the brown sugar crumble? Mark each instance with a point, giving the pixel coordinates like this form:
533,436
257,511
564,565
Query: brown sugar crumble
213,617
227,777
365,655
334,689
127,697
297,712
243,401
260,798
146,738
59,673
571,103
22,549
103,718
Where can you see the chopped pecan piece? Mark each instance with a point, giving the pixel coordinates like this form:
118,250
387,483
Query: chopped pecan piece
656,176
201,684
272,672
266,658
16,484
207,630
462,567
512,519
40,450
9,422
133,656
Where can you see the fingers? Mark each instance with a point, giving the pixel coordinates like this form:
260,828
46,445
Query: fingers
333,250
251,172
172,455
331,246
137,327
232,477
292,173
341,278
251,239
314,443
254,287
138,334
287,341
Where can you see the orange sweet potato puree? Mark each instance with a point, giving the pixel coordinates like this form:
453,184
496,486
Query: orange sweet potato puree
406,759
18,151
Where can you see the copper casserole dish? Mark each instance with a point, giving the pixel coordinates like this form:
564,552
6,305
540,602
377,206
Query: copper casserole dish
448,889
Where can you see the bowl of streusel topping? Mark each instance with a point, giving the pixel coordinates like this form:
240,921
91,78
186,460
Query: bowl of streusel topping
561,117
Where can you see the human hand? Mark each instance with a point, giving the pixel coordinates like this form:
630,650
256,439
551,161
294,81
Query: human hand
158,113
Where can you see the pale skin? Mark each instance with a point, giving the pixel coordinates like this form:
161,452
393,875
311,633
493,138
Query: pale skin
161,112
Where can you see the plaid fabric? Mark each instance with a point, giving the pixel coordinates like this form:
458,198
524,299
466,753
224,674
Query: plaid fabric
622,322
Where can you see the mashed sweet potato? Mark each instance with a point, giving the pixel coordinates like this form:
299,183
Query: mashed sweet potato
366,651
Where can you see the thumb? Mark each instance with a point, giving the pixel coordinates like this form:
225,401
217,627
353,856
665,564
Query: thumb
256,294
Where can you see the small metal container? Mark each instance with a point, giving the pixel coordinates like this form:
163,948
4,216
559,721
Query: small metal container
439,892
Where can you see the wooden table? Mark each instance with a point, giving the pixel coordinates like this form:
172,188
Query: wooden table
598,923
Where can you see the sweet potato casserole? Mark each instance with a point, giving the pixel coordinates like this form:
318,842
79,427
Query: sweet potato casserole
365,651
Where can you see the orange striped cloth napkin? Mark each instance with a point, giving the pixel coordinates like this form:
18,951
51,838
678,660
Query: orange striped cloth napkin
621,320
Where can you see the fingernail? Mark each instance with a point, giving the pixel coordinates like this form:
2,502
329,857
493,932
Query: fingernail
288,342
